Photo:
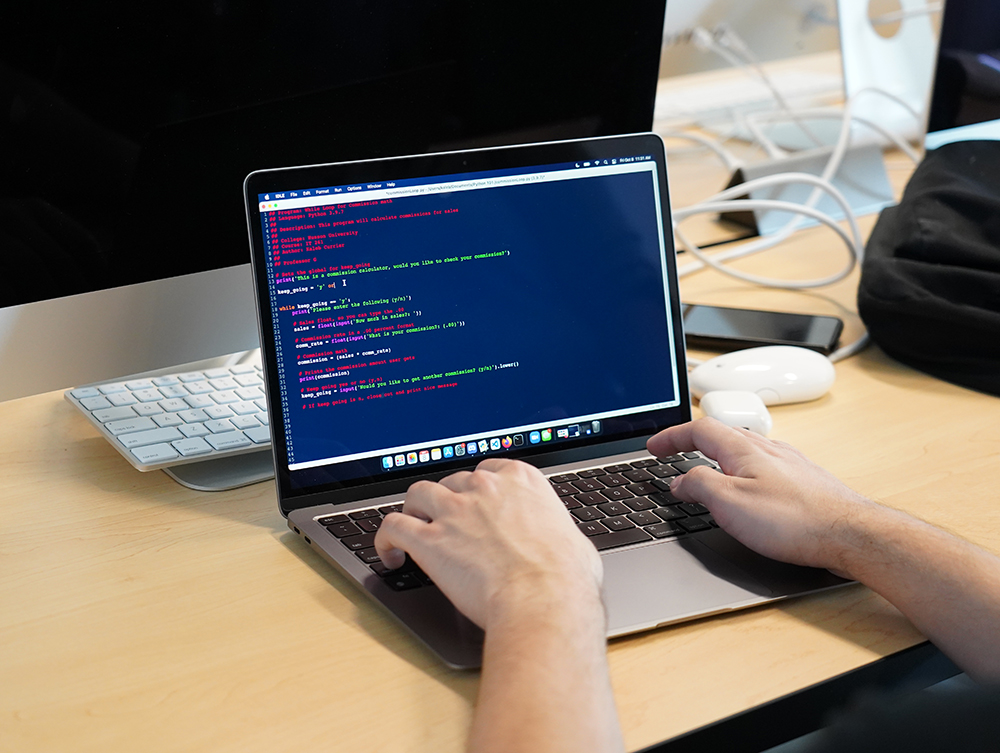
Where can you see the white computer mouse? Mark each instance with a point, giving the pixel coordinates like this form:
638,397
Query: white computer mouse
777,373
739,409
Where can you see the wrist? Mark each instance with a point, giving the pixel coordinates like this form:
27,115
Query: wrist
542,598
863,536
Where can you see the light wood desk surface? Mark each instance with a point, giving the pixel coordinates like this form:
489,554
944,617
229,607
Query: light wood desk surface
138,615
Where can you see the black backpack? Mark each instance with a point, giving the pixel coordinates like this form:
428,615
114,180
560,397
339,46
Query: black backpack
930,281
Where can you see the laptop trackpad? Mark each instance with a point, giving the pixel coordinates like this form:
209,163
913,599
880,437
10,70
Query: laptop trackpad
671,581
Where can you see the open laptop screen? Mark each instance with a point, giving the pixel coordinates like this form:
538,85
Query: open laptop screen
422,321
965,102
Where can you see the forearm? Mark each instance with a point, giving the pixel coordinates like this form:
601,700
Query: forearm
545,684
948,588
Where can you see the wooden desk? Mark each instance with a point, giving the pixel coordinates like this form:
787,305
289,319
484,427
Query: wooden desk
138,615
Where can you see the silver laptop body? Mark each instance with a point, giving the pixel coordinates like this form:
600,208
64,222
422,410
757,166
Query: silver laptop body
420,313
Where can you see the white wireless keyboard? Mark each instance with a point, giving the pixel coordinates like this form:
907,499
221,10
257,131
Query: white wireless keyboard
180,418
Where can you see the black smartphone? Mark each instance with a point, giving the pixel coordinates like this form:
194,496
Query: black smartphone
723,328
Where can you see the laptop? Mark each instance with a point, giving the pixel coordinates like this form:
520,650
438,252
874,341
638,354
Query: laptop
421,313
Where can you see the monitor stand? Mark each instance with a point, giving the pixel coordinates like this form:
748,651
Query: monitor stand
224,473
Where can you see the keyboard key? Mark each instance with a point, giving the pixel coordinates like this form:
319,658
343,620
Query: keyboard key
391,508
620,523
249,393
358,542
671,459
620,538
199,388
173,390
151,395
617,468
640,503
641,489
191,447
369,525
645,463
218,412
121,398
564,490
614,479
637,475
669,513
587,484
166,381
592,528
643,518
662,484
151,437
191,376
244,422
613,508
694,524
693,508
368,556
243,368
258,434
81,392
220,373
591,473
155,453
226,383
198,402
562,478
129,425
664,499
147,409
590,498
194,430
229,441
402,581
663,530
248,380
173,405
663,471
343,529
617,493
110,389
220,427
329,520
359,514
587,513
686,465
193,416
225,397
570,503
168,419
114,414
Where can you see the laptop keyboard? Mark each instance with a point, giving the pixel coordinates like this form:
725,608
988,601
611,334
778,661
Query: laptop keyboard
614,506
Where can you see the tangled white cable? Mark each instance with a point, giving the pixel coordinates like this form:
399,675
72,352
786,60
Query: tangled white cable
731,48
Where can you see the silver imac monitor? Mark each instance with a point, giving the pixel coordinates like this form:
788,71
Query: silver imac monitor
126,130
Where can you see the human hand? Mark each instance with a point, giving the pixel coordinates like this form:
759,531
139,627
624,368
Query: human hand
769,496
491,539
